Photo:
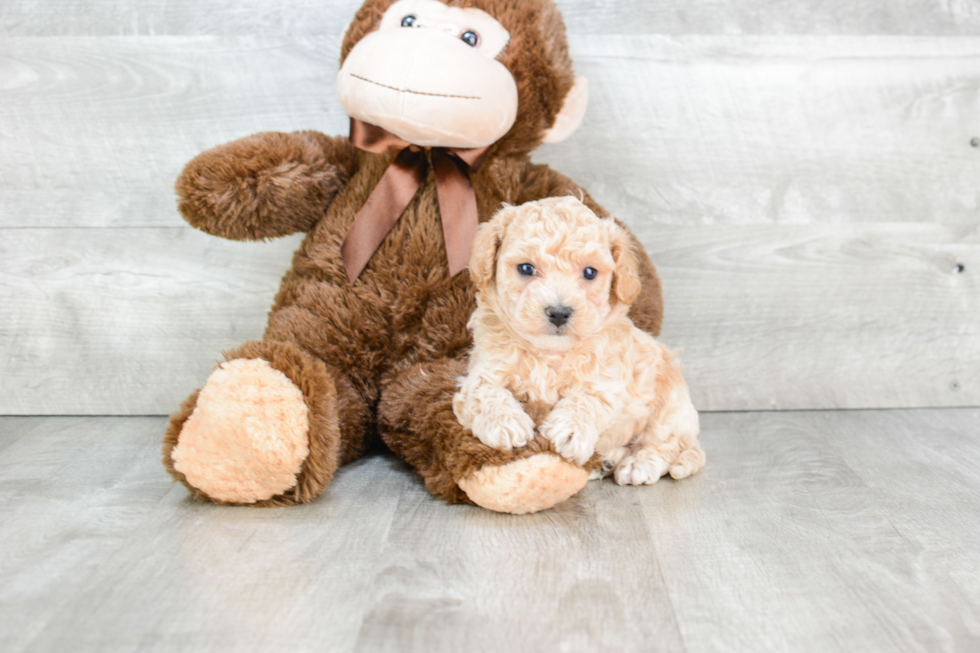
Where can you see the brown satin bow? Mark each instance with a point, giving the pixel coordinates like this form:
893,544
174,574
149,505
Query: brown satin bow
398,185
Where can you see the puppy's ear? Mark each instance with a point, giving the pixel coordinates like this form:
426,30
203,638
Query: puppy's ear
483,256
626,275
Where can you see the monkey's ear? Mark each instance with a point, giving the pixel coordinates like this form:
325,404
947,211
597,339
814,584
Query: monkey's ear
483,257
626,275
572,112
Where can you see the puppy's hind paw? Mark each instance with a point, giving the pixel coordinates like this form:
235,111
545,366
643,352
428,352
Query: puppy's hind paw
634,470
504,429
688,463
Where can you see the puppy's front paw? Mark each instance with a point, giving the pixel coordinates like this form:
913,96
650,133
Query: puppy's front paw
640,470
572,439
504,428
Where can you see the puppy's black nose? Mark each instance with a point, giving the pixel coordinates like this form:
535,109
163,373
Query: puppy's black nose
558,315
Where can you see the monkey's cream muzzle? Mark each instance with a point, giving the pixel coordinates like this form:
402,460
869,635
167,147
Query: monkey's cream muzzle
428,87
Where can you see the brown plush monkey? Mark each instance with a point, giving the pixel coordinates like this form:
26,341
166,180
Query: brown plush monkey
369,339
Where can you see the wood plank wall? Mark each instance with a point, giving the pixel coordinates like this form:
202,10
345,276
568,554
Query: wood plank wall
803,173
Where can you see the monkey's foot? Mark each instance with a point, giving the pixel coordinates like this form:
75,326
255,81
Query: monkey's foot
525,485
247,437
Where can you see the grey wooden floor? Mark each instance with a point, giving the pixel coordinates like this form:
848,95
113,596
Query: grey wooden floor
807,531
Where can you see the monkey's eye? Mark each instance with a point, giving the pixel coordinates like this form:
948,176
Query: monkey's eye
408,21
525,270
590,273
470,38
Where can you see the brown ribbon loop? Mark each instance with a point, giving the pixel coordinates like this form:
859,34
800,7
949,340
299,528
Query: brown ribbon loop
397,187
372,138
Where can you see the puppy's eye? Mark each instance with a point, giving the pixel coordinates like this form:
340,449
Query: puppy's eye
590,273
525,270
470,38
408,21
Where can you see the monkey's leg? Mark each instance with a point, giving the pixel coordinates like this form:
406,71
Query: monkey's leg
270,427
416,420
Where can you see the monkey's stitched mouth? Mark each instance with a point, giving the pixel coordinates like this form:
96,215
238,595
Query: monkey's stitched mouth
406,90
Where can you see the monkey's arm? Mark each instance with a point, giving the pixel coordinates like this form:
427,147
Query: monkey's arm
264,186
540,181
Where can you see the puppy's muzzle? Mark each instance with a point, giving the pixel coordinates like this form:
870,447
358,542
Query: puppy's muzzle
558,315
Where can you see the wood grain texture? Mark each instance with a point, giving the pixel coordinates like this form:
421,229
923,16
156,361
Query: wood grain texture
798,536
815,531
942,525
150,568
95,131
102,321
72,490
781,130
307,17
462,579
686,130
807,199
848,316
109,321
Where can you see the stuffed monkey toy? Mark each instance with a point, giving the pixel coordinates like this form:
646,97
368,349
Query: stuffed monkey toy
367,336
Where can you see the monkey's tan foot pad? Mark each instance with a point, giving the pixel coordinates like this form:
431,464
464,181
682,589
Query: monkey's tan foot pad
525,485
248,435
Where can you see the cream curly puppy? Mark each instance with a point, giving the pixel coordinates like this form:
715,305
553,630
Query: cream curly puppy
554,348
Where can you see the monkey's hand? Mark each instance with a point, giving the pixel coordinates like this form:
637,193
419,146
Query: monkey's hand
264,186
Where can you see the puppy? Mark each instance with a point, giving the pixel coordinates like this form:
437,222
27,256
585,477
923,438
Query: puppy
554,348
